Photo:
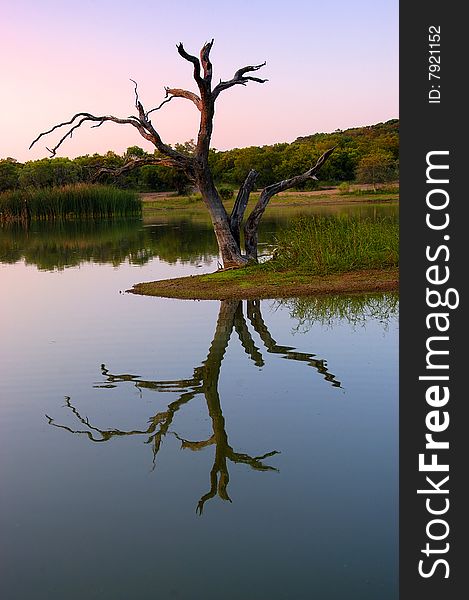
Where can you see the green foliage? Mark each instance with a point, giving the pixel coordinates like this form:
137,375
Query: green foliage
331,244
226,193
68,202
355,149
49,172
135,152
10,171
176,180
378,166
282,161
188,148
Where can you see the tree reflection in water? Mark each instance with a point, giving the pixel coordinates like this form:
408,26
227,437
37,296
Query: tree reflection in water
204,381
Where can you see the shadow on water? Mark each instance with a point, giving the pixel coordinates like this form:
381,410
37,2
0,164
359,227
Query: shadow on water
204,381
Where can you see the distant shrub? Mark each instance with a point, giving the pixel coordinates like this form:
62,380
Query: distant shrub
225,193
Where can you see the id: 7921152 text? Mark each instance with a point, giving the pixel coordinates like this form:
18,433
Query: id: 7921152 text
434,64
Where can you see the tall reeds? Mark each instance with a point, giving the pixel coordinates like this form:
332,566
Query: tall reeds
334,244
80,201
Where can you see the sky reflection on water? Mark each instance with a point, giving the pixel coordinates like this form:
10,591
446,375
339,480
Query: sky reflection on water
248,450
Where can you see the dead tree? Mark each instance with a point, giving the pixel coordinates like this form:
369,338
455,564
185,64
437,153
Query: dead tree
196,167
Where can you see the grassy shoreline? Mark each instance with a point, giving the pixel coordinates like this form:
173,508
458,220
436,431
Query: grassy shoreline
313,255
159,201
253,282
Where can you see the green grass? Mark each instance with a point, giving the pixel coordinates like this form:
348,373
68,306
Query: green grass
68,202
256,282
175,202
290,198
382,189
314,255
321,245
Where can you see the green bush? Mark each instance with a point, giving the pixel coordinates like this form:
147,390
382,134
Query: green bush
225,193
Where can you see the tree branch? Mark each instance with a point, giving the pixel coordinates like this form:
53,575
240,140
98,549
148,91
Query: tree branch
174,158
195,61
88,117
159,106
141,123
241,203
286,184
206,64
134,164
252,223
75,125
178,93
138,104
239,78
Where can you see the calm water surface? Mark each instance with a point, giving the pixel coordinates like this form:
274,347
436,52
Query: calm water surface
156,448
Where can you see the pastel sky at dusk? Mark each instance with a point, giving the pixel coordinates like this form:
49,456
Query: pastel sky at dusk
330,65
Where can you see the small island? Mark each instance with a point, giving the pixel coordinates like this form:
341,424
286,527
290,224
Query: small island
250,283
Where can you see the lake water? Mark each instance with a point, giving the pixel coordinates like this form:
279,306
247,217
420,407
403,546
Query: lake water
168,449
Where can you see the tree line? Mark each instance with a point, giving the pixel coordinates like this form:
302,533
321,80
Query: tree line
363,154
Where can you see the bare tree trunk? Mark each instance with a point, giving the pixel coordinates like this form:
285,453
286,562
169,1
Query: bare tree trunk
251,227
240,205
230,250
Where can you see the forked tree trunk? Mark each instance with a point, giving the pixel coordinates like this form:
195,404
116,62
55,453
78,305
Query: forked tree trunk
241,202
229,248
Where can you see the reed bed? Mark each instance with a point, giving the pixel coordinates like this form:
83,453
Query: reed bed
332,244
80,201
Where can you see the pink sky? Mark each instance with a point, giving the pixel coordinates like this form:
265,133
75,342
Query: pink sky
330,65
